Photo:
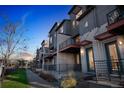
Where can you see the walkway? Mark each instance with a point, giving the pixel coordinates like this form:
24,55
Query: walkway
37,82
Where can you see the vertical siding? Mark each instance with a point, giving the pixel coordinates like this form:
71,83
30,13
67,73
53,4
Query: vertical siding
102,11
89,20
95,18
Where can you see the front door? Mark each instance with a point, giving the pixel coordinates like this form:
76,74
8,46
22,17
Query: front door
113,57
90,59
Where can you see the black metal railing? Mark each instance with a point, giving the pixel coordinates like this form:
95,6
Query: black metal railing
63,67
53,51
66,43
50,53
50,67
115,15
106,68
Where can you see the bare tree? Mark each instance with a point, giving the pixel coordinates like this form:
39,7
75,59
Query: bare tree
12,39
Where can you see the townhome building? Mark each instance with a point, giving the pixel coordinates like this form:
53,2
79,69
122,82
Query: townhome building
68,56
49,56
53,44
101,39
44,53
41,53
91,41
38,61
64,50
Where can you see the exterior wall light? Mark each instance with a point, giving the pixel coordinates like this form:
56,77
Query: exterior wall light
120,42
82,51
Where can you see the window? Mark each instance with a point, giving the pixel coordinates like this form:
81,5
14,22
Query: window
61,30
73,23
50,40
79,14
86,24
55,35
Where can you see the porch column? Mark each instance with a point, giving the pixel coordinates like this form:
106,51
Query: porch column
83,60
120,41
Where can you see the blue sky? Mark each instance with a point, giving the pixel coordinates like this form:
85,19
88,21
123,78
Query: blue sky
38,20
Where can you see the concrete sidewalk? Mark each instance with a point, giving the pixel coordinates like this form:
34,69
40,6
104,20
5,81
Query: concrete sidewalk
37,82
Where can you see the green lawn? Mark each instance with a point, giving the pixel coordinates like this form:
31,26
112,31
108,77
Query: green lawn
17,79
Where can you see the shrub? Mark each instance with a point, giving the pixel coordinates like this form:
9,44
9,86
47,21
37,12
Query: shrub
69,81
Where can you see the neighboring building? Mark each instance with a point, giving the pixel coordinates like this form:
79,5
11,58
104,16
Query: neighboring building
91,41
53,44
38,61
45,53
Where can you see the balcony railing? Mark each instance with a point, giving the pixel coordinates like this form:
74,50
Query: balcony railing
50,67
66,43
115,15
106,68
50,53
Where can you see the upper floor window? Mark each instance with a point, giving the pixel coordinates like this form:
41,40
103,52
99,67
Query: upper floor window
79,14
55,35
73,23
61,30
86,24
51,40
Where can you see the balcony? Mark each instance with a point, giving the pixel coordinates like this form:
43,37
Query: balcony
85,42
70,45
104,36
53,52
50,54
116,21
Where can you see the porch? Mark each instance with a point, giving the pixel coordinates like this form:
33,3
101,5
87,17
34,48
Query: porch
62,70
110,70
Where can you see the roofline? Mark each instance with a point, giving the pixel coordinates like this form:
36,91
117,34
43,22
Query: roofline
85,13
73,7
42,42
53,26
62,23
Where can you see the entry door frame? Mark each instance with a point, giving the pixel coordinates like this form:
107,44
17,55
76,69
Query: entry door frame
109,63
87,59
